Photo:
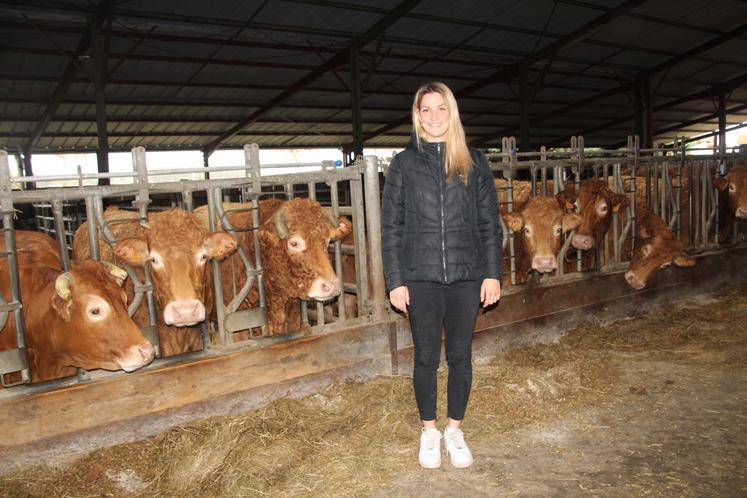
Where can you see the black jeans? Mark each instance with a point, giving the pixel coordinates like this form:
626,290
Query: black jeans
453,306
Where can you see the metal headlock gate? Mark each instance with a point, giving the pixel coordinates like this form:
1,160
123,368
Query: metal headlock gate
368,289
678,186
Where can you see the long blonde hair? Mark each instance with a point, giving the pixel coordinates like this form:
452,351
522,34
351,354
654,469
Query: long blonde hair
458,160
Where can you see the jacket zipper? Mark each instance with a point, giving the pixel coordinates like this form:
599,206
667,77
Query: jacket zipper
443,222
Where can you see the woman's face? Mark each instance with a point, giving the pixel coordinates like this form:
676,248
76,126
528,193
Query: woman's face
434,117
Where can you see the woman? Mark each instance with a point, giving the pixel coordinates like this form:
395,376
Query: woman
442,248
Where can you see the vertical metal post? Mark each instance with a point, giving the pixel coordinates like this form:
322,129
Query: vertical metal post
93,239
254,171
356,104
361,254
722,128
59,225
334,198
142,200
524,132
373,220
100,69
213,198
6,206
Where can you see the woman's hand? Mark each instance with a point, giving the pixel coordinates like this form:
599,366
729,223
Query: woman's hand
490,292
400,298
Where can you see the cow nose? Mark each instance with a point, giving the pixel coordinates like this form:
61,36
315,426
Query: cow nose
323,288
183,313
634,281
147,352
545,264
583,242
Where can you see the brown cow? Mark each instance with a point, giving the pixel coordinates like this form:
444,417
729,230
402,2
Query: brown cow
72,319
176,247
595,202
538,227
732,199
656,246
293,236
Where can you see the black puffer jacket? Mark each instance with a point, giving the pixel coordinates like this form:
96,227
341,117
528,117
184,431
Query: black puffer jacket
437,230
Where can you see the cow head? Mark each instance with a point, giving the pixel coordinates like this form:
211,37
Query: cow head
541,224
176,248
656,247
92,328
595,202
294,244
735,184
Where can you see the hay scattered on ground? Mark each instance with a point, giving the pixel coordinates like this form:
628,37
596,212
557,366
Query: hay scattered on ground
356,436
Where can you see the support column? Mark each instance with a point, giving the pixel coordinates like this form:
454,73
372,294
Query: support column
356,105
524,137
206,162
100,69
722,125
643,112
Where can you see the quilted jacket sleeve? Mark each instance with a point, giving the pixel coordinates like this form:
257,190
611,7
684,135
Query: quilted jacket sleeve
489,220
393,224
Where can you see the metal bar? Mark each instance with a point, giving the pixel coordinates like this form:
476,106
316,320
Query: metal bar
60,229
6,205
373,222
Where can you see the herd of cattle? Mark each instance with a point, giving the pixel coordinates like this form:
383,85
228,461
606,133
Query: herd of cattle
78,318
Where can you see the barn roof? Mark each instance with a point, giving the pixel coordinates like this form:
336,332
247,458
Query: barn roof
222,73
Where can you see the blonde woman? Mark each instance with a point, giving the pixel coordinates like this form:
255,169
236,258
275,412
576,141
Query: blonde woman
442,241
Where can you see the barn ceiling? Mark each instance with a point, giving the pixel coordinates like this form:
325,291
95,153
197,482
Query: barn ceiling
222,73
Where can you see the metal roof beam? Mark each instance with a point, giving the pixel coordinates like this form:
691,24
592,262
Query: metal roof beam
506,73
66,79
336,61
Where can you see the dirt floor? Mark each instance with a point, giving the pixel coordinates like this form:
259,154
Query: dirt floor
654,406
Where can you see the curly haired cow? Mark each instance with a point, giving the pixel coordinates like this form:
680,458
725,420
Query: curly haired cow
293,236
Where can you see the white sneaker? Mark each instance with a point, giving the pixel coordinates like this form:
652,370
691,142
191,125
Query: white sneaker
430,448
456,448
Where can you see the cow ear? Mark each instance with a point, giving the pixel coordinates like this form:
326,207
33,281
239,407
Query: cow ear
62,301
343,229
219,245
571,221
720,182
619,201
566,199
132,250
514,220
267,237
684,261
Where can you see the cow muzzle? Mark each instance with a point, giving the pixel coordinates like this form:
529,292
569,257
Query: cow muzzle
322,289
634,280
136,356
183,313
583,242
544,264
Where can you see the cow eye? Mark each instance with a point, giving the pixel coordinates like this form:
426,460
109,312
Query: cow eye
296,244
558,230
95,311
732,187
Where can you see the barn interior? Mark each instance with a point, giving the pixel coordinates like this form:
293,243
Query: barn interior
549,89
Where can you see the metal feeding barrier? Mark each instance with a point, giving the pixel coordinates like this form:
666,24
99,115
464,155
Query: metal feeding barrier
672,182
138,191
